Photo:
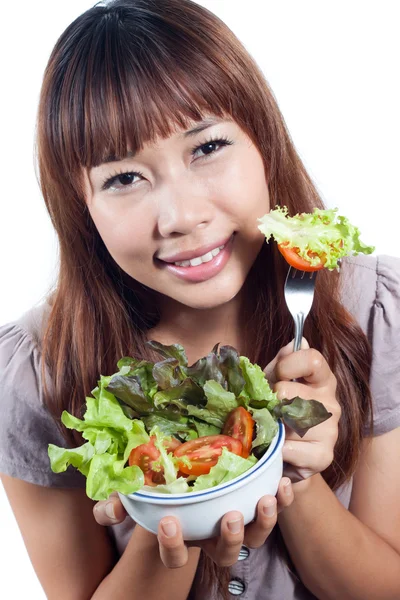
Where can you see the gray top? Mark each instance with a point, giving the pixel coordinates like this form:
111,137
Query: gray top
371,291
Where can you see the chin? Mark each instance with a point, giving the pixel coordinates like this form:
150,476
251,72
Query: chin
208,301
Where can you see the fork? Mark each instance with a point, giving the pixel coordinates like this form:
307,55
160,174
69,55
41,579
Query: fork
299,295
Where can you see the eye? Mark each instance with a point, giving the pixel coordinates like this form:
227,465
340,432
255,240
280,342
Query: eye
121,181
210,147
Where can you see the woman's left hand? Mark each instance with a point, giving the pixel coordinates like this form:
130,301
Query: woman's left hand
312,453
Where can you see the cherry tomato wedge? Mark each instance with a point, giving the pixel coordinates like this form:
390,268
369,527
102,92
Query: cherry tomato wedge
146,456
203,453
240,425
291,256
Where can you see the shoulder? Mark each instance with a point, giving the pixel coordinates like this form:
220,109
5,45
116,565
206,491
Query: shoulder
368,282
371,292
20,350
26,425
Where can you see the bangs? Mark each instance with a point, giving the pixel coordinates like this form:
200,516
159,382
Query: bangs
129,80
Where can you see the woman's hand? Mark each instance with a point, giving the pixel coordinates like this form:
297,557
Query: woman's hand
313,453
224,550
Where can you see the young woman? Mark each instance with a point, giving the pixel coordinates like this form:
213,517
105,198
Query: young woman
159,141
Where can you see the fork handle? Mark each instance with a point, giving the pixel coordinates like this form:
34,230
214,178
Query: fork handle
298,330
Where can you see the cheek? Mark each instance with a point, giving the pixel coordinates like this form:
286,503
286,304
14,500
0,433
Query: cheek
243,190
125,235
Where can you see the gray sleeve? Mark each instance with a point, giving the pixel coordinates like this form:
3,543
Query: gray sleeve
26,426
385,334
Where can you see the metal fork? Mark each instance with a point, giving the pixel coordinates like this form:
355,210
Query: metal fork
299,295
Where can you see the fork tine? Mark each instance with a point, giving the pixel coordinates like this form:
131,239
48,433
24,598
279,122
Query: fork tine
296,274
299,294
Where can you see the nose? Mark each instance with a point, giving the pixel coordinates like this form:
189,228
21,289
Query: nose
182,208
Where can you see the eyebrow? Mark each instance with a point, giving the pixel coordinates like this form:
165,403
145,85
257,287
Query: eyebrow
205,124
202,126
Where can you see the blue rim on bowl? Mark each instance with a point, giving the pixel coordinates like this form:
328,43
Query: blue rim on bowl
155,497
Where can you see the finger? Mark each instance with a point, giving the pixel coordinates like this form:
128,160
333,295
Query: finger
225,551
109,512
313,458
257,532
173,552
308,364
285,495
285,351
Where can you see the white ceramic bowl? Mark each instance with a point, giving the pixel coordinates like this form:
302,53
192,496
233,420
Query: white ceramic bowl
200,513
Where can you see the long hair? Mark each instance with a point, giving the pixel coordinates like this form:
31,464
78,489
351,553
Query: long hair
121,75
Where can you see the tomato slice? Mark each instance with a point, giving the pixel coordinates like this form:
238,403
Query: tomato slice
291,256
146,456
203,453
240,425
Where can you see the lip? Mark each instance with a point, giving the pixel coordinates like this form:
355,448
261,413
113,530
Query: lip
204,271
188,255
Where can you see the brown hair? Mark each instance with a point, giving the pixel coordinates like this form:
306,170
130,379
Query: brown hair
120,75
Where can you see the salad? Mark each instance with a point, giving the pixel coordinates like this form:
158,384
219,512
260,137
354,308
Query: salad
313,241
176,428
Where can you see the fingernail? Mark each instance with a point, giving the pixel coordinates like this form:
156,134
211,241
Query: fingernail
169,528
110,510
269,510
287,488
234,526
287,446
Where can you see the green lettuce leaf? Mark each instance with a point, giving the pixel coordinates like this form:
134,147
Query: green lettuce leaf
102,459
204,428
166,460
228,467
79,458
322,232
256,386
108,474
220,403
266,427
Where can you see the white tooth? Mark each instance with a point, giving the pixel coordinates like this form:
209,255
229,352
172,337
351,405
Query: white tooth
195,262
183,263
221,247
215,251
206,257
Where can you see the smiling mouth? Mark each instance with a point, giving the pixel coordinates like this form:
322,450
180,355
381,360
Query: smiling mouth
200,268
198,260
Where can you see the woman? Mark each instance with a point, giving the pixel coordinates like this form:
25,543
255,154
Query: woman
159,141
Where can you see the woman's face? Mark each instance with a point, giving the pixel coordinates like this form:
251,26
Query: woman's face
180,216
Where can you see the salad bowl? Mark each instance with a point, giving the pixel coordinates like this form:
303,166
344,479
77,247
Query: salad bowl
200,513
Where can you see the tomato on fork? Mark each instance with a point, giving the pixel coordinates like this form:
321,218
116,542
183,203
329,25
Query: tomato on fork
297,262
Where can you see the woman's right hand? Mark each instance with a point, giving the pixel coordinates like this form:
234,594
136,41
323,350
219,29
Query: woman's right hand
224,549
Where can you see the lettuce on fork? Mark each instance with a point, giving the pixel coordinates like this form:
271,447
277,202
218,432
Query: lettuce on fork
170,399
322,233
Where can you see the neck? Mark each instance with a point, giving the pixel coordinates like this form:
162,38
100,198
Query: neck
198,330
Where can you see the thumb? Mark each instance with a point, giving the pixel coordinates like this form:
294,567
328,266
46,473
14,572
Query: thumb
269,370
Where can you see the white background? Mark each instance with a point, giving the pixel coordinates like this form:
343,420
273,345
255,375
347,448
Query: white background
334,69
